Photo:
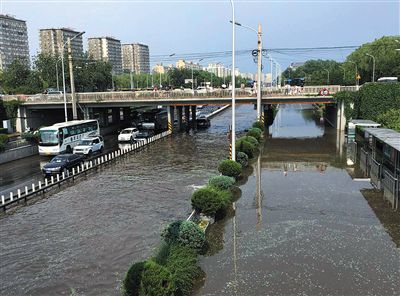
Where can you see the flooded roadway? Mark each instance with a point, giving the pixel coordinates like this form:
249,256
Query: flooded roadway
310,232
82,240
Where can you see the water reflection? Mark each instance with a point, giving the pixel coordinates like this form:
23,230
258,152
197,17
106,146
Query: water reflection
312,233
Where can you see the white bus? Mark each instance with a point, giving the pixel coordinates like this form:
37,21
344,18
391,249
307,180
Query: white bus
63,137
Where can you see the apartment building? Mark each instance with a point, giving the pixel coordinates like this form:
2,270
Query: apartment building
52,41
136,58
107,49
13,41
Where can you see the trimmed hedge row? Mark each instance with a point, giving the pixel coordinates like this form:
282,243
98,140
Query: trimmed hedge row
174,267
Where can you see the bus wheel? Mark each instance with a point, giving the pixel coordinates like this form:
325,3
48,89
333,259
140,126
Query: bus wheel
69,149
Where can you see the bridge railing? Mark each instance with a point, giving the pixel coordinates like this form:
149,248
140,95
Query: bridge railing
174,94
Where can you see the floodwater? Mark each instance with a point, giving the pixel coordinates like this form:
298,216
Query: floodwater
310,231
82,240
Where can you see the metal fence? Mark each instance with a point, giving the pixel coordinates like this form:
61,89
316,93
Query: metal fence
42,186
364,166
375,173
174,94
390,186
353,151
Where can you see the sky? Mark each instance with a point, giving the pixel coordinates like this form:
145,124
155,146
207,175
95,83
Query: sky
182,27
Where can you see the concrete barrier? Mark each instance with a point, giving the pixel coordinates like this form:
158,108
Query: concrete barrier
18,153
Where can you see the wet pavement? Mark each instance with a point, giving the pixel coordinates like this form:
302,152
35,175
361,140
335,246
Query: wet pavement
82,240
310,232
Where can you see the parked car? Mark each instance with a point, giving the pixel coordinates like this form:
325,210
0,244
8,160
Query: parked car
128,134
143,135
89,145
61,163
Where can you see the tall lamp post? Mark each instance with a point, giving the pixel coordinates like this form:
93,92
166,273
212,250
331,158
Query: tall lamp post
171,55
192,75
373,66
63,72
233,132
328,76
259,65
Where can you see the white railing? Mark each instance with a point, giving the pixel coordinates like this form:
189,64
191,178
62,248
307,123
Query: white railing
146,95
43,186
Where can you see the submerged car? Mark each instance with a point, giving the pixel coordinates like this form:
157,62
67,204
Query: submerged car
89,145
143,135
61,163
203,122
128,134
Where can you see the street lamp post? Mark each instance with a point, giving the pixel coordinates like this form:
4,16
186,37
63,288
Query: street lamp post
328,76
259,64
63,72
192,75
373,66
233,132
356,73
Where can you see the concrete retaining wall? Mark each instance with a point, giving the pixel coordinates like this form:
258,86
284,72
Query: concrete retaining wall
18,153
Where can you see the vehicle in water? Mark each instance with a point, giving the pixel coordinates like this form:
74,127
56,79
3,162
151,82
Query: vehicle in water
63,137
128,134
143,135
203,122
89,145
61,163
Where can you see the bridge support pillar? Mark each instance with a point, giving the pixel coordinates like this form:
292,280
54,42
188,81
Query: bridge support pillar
179,114
341,118
268,115
21,123
186,116
171,111
87,113
194,118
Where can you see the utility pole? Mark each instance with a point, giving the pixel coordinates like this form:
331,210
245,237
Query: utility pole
259,51
71,76
373,66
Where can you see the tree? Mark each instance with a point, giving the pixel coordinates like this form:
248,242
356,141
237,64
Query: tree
387,59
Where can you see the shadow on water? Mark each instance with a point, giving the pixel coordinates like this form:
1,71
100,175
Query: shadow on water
301,225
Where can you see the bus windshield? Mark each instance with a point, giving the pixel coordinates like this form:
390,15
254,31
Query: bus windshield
49,137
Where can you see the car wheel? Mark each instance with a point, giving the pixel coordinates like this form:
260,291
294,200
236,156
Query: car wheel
90,153
69,149
132,141
101,149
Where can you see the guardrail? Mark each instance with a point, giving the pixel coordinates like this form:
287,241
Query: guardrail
390,186
375,172
364,165
41,187
91,97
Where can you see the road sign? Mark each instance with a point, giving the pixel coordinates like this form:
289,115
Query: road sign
358,77
324,92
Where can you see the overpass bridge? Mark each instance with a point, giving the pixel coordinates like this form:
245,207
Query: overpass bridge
42,109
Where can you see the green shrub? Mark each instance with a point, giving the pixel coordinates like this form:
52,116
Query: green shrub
30,137
221,182
3,141
242,158
182,265
255,132
230,168
251,140
390,119
259,124
162,254
246,147
131,282
209,200
184,233
3,130
156,280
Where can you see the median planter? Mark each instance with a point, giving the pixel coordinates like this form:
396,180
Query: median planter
255,132
209,200
186,233
259,124
230,168
221,182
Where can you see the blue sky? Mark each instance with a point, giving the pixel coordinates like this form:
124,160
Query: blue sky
203,26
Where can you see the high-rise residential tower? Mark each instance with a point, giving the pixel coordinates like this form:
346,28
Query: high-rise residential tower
52,40
106,49
13,41
136,58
